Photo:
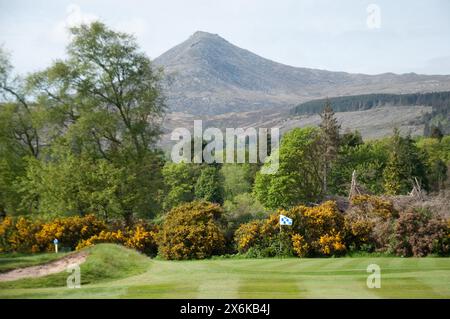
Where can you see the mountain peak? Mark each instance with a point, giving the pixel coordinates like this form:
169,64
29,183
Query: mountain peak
209,75
200,48
206,37
204,34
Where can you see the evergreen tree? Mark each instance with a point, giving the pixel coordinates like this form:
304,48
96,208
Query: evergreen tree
395,175
436,132
351,139
329,141
437,174
405,163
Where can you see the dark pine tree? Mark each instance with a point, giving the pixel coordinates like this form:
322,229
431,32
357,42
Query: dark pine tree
329,141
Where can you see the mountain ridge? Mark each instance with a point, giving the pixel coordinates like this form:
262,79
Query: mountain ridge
206,74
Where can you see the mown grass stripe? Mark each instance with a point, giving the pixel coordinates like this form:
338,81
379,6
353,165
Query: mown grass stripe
255,278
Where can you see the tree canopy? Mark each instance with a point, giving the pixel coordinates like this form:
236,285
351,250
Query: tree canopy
102,107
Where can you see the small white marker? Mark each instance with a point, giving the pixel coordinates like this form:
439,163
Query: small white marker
55,241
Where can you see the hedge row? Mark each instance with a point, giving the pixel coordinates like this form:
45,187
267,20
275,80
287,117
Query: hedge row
26,235
370,224
198,230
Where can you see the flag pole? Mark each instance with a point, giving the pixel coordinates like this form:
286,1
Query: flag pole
280,237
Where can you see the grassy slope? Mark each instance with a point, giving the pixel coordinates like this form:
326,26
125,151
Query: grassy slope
104,262
244,278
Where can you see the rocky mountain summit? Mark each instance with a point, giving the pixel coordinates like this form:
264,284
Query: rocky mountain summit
207,75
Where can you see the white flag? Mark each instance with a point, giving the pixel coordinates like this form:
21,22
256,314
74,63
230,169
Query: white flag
284,220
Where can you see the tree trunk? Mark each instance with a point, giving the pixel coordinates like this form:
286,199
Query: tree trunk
325,173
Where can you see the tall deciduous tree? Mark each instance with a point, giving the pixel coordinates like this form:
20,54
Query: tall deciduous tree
19,114
298,178
209,186
368,160
105,100
180,180
19,134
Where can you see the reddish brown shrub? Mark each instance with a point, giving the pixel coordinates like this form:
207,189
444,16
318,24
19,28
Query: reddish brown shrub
419,233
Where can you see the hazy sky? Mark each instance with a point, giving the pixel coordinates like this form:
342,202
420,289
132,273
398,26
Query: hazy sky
411,36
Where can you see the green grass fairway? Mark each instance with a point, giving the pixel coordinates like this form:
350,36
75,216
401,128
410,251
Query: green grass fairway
115,272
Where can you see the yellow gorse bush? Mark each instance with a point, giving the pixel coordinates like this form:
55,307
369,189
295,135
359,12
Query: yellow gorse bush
310,224
137,238
331,244
27,235
299,245
142,240
103,237
69,231
322,218
192,231
366,220
247,235
375,206
18,235
6,227
358,228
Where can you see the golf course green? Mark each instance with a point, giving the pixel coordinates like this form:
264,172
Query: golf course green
112,271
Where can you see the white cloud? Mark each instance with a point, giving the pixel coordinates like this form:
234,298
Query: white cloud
74,17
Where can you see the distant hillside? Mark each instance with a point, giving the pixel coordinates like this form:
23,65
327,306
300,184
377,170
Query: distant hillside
374,123
439,101
368,101
207,75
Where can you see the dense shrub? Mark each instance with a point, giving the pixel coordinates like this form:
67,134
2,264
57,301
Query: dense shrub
18,235
199,230
248,235
368,223
419,233
69,231
319,220
27,235
331,244
315,231
358,231
373,206
192,231
243,208
299,245
262,238
372,224
6,228
383,236
140,238
114,237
